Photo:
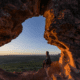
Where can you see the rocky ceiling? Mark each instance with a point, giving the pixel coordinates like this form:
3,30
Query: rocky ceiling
62,27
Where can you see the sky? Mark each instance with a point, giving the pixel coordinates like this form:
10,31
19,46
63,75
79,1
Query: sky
31,41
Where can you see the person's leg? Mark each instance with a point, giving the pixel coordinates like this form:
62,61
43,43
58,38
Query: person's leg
43,63
48,63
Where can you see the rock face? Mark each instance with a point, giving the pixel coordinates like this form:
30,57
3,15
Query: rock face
62,27
31,75
54,72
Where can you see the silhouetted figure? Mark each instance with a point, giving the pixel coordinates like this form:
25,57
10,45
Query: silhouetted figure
48,60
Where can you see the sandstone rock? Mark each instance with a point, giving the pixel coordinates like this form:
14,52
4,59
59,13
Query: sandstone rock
62,25
40,74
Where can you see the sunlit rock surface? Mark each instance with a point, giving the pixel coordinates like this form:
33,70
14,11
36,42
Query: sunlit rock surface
62,27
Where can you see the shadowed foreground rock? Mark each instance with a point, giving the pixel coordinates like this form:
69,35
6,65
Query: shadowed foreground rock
62,27
28,75
54,72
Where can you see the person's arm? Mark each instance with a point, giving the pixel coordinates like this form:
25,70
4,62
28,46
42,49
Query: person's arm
46,59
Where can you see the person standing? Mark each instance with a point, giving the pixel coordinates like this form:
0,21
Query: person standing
48,60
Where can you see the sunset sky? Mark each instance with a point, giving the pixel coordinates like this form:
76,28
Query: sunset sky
31,40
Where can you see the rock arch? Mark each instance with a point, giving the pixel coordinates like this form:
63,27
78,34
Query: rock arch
62,27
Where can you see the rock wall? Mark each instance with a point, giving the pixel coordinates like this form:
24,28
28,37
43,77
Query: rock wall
62,27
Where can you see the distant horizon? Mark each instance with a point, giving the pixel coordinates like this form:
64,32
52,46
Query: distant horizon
28,54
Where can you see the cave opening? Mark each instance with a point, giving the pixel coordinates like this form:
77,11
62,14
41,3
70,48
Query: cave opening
30,42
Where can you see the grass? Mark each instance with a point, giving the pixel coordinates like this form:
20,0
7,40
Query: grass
10,67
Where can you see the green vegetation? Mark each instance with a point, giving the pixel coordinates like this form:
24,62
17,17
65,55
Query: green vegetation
22,63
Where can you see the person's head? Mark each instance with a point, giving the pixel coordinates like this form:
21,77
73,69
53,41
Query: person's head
47,53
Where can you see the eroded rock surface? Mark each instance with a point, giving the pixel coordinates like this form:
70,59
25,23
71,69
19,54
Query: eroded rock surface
27,75
54,72
62,27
